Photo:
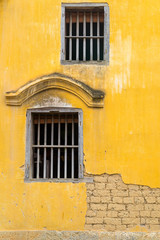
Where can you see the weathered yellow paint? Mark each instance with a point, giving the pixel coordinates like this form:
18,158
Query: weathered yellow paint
122,137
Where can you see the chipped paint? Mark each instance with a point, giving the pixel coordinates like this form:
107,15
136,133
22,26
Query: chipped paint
52,102
121,59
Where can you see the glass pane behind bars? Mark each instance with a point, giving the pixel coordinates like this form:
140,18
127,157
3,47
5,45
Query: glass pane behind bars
84,37
55,145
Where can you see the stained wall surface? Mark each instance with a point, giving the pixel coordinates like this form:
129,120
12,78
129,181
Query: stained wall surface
122,137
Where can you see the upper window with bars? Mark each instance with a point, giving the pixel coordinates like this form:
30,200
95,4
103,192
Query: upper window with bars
54,148
85,33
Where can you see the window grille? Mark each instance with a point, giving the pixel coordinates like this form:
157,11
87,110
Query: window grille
55,145
84,35
85,32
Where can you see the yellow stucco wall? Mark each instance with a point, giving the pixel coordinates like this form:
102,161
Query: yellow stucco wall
123,137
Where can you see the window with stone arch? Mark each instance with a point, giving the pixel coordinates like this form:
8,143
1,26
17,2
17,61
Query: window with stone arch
54,144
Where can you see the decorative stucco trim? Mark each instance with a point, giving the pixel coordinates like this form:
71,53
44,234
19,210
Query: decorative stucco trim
90,96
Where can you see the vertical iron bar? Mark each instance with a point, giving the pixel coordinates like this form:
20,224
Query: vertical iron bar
58,170
72,146
98,48
45,142
84,37
38,143
51,162
65,153
77,39
63,33
91,34
70,35
52,132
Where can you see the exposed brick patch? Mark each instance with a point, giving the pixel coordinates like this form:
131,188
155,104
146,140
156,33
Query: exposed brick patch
116,206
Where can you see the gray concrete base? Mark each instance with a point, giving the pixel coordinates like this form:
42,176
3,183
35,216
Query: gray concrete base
76,235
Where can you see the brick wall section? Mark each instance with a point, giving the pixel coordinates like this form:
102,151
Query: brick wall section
115,206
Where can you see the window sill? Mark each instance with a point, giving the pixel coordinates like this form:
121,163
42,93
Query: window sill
69,180
65,62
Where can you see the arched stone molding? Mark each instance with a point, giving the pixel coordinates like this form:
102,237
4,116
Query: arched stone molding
90,96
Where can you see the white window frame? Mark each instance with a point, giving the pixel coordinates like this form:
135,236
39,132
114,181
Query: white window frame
29,143
106,32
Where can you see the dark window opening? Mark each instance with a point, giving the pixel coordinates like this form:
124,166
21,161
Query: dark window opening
73,49
87,49
84,39
94,49
55,145
80,29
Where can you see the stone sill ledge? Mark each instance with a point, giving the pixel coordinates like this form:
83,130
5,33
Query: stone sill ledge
69,180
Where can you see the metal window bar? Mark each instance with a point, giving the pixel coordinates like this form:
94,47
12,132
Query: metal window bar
91,34
55,146
52,132
89,37
38,142
45,142
70,39
65,152
59,130
98,45
92,19
72,145
77,39
84,35
45,165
